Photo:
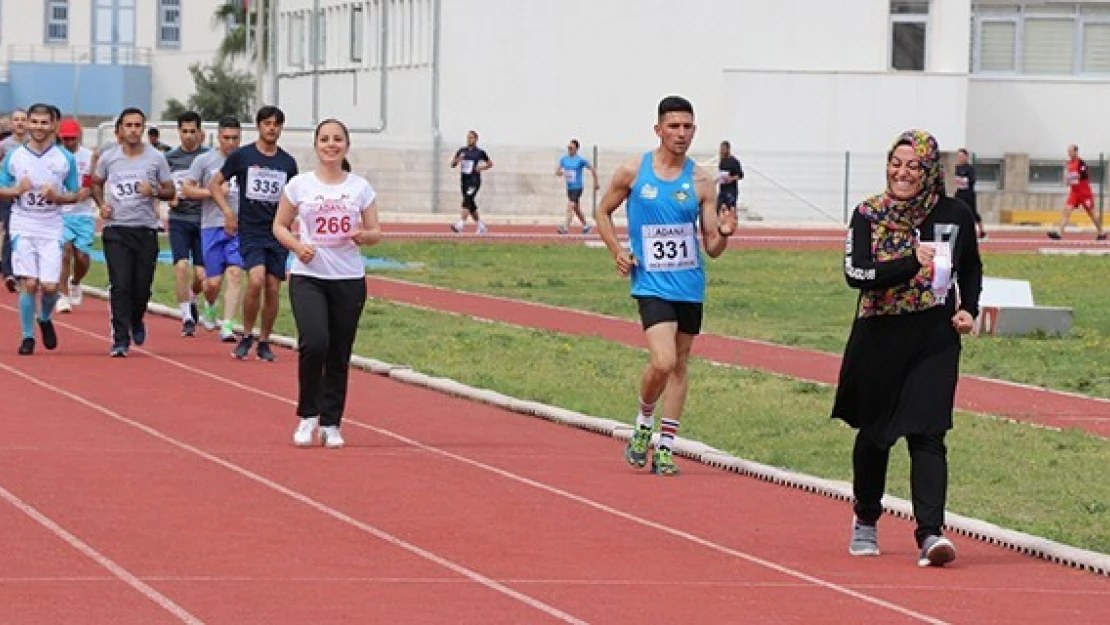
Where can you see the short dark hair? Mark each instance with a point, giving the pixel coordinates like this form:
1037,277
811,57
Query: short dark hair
575,143
56,111
151,132
963,151
42,109
131,110
674,104
189,116
229,122
267,112
726,144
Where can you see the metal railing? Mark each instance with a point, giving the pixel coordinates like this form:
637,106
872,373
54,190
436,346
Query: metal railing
100,54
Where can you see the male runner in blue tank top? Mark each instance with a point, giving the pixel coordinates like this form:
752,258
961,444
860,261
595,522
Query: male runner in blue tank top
668,196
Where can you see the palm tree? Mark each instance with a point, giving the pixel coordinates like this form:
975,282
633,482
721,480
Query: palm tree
234,44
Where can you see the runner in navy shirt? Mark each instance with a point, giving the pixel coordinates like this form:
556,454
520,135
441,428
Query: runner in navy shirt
260,171
471,161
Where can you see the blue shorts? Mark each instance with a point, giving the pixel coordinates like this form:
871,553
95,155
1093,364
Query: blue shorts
79,230
263,249
185,242
220,251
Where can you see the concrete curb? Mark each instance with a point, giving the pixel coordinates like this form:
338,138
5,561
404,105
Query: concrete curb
990,533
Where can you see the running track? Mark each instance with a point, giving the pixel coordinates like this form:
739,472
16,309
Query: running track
163,488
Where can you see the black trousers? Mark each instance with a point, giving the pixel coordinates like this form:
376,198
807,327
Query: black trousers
132,256
327,313
6,251
928,481
470,189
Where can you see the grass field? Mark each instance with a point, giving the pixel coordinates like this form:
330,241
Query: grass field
1013,475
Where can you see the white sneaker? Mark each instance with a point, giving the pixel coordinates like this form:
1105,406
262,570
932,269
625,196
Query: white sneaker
331,437
305,429
63,305
75,295
482,228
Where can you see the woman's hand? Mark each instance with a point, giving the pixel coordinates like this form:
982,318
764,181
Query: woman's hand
925,253
305,253
963,322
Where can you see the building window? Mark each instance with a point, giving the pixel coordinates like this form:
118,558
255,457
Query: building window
1046,174
169,23
358,29
57,21
988,173
320,39
909,26
1058,39
296,40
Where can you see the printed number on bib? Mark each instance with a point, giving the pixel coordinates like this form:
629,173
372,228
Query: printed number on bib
670,248
34,199
125,187
264,185
570,175
179,179
331,223
468,167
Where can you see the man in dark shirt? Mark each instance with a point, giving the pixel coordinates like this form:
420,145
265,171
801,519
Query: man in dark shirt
729,174
965,187
260,170
472,161
184,222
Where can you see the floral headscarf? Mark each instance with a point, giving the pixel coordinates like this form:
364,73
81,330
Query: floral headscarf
895,223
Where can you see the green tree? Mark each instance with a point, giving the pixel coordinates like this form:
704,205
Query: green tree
234,44
218,92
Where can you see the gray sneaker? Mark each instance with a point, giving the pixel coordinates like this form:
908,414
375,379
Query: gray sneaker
936,551
865,539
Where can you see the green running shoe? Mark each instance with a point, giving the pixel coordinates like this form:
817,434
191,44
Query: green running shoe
662,463
636,451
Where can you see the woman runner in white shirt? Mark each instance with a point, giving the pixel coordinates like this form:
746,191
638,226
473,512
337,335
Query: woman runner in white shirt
335,214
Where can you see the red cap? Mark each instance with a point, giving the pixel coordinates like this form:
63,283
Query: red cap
69,129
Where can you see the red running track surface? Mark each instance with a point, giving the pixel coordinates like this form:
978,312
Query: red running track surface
175,468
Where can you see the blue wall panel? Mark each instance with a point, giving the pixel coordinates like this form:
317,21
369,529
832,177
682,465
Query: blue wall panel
102,89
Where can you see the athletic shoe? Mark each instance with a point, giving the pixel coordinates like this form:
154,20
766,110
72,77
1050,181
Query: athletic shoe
586,229
208,319
227,332
662,462
305,429
264,352
330,437
138,333
49,337
1052,234
118,351
11,284
63,305
454,228
193,312
27,347
188,328
75,294
243,349
562,230
1100,237
865,539
936,551
482,229
636,451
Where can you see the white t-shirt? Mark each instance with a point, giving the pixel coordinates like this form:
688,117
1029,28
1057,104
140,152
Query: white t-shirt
83,156
328,215
32,214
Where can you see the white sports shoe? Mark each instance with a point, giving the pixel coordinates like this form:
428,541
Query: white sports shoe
331,437
75,295
63,305
305,429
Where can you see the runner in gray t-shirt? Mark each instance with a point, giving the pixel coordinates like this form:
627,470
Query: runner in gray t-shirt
128,182
12,141
221,250
184,224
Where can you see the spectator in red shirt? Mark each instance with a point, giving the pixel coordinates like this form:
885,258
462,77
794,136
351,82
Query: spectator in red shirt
1079,194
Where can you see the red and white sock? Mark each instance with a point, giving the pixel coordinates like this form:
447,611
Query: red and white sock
646,417
667,430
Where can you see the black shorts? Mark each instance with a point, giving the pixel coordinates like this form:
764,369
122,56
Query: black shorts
185,243
258,249
726,198
969,199
574,195
654,310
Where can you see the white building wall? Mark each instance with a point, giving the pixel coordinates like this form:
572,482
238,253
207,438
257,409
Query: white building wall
1039,117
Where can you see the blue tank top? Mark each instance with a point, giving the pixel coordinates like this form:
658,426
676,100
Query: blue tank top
662,228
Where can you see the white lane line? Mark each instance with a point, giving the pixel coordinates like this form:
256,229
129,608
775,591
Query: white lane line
693,538
116,570
299,497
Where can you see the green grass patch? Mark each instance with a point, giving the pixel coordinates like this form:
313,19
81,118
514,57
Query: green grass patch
796,298
1009,474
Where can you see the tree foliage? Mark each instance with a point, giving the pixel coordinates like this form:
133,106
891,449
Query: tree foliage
234,45
218,92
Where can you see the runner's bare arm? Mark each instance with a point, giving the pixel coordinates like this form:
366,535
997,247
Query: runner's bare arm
192,190
614,197
283,222
714,231
371,231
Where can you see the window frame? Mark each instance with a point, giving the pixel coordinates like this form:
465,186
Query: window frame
358,33
162,25
1079,15
909,18
1046,186
295,23
49,22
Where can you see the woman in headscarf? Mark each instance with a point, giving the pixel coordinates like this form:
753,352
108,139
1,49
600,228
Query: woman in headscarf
913,254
